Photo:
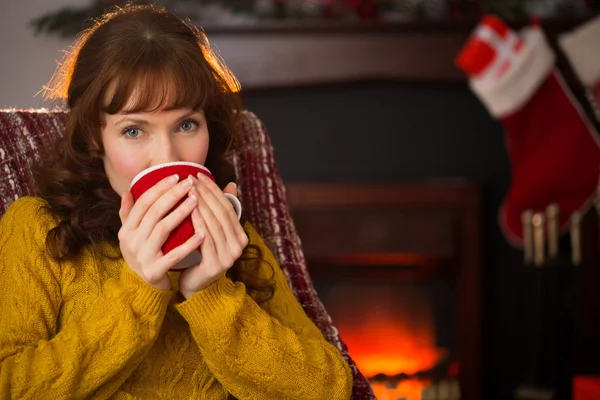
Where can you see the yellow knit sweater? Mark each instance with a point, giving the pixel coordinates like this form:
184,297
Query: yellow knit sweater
91,328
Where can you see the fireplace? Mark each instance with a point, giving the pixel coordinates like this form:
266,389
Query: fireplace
400,334
398,269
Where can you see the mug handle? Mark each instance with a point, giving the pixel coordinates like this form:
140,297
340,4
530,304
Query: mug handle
236,204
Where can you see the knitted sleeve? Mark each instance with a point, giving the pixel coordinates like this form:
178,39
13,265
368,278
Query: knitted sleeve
272,351
90,357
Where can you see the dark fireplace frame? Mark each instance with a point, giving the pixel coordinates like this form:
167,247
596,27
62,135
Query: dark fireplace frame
434,226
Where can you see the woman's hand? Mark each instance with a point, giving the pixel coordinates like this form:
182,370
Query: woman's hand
146,226
224,238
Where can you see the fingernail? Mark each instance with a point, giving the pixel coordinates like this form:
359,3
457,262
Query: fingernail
187,183
234,185
191,200
173,179
196,213
201,176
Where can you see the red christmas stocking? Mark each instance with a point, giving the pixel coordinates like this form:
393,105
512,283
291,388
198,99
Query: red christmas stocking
582,49
554,150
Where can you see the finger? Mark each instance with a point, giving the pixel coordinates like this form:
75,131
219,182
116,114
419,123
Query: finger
231,194
126,206
164,227
169,260
163,205
209,266
198,223
210,255
234,229
216,191
212,223
222,209
147,199
231,188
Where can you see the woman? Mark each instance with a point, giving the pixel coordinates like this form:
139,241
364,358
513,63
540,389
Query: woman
88,306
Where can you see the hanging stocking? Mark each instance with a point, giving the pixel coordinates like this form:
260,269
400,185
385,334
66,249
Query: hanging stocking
554,150
582,49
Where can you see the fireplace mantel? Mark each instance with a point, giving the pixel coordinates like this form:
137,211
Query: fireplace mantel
274,54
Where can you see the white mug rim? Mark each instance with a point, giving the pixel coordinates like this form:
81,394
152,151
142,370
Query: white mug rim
163,165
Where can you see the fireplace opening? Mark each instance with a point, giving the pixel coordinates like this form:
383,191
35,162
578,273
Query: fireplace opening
398,269
400,334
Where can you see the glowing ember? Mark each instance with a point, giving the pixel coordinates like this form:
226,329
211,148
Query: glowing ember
410,390
414,389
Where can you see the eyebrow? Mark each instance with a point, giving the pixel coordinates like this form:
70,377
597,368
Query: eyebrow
131,120
144,122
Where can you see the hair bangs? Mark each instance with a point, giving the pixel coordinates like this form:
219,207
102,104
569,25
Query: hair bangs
173,82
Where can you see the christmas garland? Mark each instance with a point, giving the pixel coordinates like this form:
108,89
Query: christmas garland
68,21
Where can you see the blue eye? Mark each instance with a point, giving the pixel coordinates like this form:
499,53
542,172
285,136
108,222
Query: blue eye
132,133
188,125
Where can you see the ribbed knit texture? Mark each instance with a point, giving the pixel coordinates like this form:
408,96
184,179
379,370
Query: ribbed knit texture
91,328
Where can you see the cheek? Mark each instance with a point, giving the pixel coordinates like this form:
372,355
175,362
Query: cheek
121,165
196,152
126,164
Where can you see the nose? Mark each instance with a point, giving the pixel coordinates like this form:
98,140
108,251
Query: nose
165,150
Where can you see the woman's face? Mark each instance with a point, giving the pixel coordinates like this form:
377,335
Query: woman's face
135,141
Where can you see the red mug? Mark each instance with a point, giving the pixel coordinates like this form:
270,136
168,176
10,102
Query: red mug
150,177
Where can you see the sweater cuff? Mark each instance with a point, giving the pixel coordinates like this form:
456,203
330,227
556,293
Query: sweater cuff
144,297
212,303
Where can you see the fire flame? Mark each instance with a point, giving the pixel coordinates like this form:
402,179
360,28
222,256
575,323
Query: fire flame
392,347
387,330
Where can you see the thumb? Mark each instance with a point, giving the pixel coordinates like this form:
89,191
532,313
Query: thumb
231,188
126,205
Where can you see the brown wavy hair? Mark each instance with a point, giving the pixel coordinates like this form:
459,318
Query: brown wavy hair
169,63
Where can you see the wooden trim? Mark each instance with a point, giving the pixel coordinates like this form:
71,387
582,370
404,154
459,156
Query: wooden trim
305,195
469,294
261,61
